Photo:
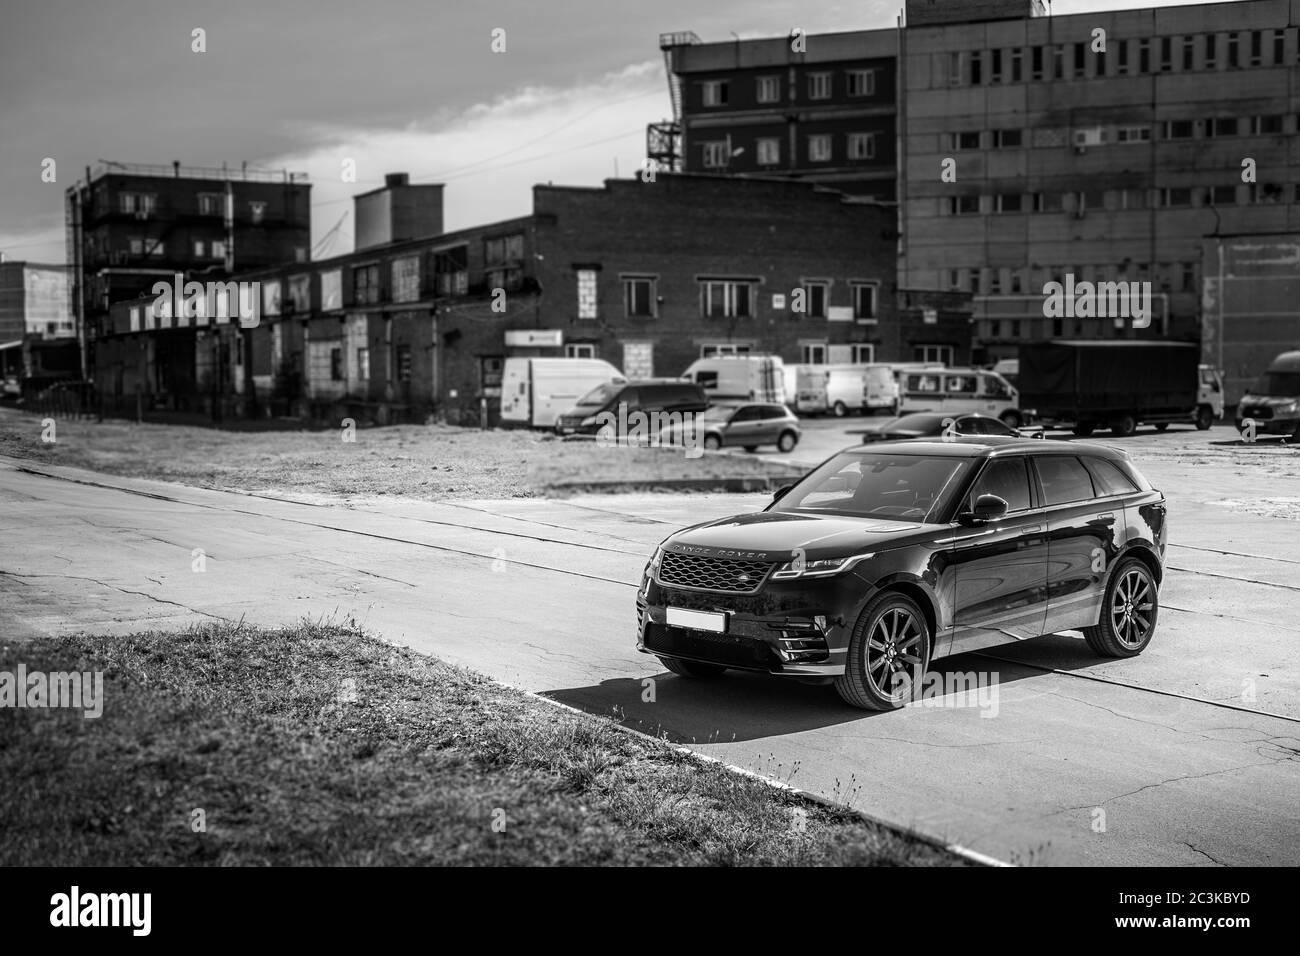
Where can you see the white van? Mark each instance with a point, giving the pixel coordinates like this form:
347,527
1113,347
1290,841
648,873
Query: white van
838,389
960,391
758,378
535,390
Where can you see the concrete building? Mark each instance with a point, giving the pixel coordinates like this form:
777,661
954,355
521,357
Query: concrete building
130,225
36,327
649,275
820,107
1110,147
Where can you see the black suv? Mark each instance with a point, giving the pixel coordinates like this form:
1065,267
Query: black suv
888,556
640,395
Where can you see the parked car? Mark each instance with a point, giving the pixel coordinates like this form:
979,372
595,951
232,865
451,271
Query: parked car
1273,402
536,390
744,424
960,391
11,387
639,395
887,557
928,425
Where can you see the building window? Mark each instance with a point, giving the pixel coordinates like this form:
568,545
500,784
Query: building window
861,354
1256,47
717,154
932,354
257,211
969,140
819,86
1008,138
1189,276
1189,53
769,151
1234,58
199,248
862,82
1279,47
212,204
300,293
451,271
336,365
995,66
365,285
862,145
331,290
1080,60
139,204
1180,129
715,92
1144,56
1181,196
1221,127
815,296
819,148
1036,63
865,295
639,296
509,278
814,353
1223,195
363,364
1017,65
406,279
723,348
582,350
1058,62
976,68
503,249
218,249
1166,54
1010,202
726,298
403,362
1267,125
586,293
1211,51
769,89
1133,134
963,205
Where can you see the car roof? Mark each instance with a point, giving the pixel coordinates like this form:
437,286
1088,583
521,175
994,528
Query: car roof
981,446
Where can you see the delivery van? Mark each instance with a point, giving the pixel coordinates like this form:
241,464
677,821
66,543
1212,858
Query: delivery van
624,398
960,391
1273,402
759,378
534,391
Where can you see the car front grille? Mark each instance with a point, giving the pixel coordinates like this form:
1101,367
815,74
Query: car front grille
725,649
712,574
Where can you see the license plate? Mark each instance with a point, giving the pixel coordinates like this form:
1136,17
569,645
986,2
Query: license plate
697,620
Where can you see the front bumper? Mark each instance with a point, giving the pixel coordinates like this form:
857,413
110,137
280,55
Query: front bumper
798,628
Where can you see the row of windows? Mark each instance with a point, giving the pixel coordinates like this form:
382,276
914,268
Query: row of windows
207,204
1030,280
1080,202
1121,57
733,298
1015,138
1018,330
820,148
820,85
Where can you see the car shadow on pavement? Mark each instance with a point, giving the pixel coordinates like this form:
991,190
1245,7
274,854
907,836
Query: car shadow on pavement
740,705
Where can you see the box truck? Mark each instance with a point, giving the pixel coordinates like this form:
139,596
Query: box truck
759,378
1115,384
536,390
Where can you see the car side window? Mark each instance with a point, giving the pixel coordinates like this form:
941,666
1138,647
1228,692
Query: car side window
772,412
747,414
1109,477
1064,479
1008,478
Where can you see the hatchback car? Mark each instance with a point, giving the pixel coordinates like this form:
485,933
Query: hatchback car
887,557
748,425
928,425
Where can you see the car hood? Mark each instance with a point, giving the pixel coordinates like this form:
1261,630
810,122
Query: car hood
774,535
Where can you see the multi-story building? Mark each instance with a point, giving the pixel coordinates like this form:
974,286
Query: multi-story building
130,225
1108,147
36,328
649,275
820,107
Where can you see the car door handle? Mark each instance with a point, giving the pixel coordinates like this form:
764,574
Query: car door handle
1108,515
1036,529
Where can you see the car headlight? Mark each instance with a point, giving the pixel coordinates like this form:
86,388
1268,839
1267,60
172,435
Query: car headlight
820,568
1288,407
652,566
588,421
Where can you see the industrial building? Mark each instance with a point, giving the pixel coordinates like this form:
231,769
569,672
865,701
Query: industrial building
647,274
37,341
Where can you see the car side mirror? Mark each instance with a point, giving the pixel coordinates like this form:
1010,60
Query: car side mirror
987,508
781,492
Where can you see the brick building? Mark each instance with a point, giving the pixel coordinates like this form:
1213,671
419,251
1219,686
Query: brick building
647,275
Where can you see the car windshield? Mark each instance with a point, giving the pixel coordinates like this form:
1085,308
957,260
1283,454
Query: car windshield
893,487
718,413
600,394
1284,384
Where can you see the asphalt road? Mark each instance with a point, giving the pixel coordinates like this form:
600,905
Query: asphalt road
1189,754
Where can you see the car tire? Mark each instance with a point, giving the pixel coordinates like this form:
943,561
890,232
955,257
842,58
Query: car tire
839,409
787,441
712,442
751,448
889,613
1131,598
1204,418
1084,429
692,668
1010,419
1161,426
1124,426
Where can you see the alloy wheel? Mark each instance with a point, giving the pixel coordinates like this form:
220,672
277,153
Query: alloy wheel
1131,607
893,659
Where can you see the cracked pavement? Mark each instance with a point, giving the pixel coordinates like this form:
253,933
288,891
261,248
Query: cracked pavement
1189,751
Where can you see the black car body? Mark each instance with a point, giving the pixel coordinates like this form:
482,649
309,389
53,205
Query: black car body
640,395
935,425
976,542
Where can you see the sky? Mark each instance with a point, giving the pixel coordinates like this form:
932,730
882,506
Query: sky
392,85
